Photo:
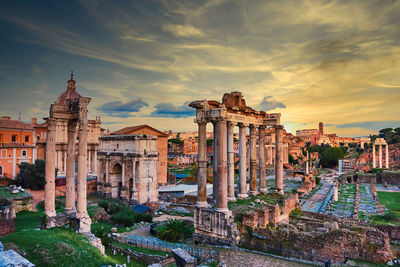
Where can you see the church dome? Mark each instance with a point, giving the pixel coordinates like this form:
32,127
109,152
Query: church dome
70,93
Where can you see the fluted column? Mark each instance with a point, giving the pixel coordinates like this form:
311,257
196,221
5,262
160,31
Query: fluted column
221,165
81,214
202,166
253,160
70,169
278,159
231,170
387,156
373,156
242,161
380,156
261,157
49,190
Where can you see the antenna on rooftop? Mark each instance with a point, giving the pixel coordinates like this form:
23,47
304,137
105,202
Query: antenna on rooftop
19,116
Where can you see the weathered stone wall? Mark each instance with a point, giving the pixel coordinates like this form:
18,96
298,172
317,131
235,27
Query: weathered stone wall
392,230
214,227
7,226
362,243
392,178
23,203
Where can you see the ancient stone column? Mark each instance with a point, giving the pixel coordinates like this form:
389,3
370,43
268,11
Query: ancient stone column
231,170
253,160
81,213
70,169
215,158
221,165
380,156
336,191
261,153
387,156
307,159
242,161
278,159
373,156
202,166
49,190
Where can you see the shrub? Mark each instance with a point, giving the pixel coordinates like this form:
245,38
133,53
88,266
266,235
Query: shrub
125,218
317,180
390,216
103,204
174,230
114,208
5,202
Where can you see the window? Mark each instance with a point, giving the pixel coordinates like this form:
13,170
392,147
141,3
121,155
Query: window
23,153
1,170
26,138
3,153
14,138
1,138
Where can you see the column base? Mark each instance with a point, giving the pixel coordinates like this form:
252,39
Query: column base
231,199
84,223
202,204
50,213
253,193
263,190
70,211
224,210
279,191
243,196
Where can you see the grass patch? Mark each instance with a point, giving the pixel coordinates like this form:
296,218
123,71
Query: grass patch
55,247
7,194
143,250
391,200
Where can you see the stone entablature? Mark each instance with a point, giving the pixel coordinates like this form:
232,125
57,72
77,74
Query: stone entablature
128,167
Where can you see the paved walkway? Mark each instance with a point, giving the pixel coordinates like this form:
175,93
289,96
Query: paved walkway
316,202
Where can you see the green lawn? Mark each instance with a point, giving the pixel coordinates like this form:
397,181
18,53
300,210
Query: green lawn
8,194
390,200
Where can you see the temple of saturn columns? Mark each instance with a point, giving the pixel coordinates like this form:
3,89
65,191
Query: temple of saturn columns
73,109
380,142
216,225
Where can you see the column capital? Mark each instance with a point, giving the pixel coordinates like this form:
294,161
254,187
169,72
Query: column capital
252,126
201,122
262,127
72,125
242,125
230,123
51,124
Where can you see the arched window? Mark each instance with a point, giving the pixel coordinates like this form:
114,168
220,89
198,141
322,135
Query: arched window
1,170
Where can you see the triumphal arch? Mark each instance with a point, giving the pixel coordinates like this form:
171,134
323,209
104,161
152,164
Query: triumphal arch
216,224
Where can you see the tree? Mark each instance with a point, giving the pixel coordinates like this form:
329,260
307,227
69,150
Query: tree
344,149
32,175
293,161
174,230
397,130
330,157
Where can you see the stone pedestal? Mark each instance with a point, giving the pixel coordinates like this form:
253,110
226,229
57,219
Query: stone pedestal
214,227
107,190
124,193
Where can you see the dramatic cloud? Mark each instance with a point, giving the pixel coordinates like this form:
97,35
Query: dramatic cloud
330,61
168,110
183,30
120,109
268,104
374,125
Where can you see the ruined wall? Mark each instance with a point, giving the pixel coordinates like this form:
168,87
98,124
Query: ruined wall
23,203
362,243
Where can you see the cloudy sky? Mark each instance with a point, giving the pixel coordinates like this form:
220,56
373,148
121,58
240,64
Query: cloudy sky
142,61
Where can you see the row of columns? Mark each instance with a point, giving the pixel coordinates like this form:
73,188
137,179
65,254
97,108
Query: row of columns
80,210
380,156
223,168
62,156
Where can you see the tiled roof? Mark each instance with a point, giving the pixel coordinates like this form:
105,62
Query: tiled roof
127,130
12,124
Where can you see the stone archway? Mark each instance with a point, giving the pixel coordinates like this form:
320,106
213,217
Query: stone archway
116,180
